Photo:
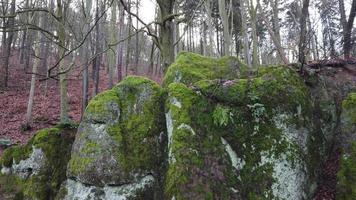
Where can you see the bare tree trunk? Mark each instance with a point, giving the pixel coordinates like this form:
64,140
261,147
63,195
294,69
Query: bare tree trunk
128,44
112,53
276,25
253,14
303,33
22,46
137,50
28,119
245,34
166,33
347,26
44,45
274,37
120,46
97,60
209,22
226,30
62,77
86,53
8,42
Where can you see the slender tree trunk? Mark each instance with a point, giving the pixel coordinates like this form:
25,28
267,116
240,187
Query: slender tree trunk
28,119
97,60
62,77
22,46
137,50
347,26
8,42
209,22
245,34
112,53
276,25
274,38
253,14
303,33
44,49
120,46
86,53
128,44
166,33
226,30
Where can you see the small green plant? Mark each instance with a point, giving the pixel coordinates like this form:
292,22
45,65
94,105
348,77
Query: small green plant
221,115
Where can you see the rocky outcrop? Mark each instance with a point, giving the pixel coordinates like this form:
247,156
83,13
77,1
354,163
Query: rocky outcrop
36,170
214,130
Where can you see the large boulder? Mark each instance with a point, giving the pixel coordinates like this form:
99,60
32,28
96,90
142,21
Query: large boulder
36,170
117,152
239,138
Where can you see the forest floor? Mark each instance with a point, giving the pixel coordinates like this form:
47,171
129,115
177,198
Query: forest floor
14,99
45,112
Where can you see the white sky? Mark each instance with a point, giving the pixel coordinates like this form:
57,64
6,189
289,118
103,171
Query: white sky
147,10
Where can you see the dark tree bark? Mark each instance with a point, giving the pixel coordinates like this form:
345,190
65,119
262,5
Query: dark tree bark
120,46
347,26
166,32
303,32
11,23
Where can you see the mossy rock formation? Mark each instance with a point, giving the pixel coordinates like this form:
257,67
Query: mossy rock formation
346,186
36,170
214,130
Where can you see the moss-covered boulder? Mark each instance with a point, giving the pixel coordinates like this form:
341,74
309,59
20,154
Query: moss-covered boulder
189,68
117,151
346,177
36,170
239,138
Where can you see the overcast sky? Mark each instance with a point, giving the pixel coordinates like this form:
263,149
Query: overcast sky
147,10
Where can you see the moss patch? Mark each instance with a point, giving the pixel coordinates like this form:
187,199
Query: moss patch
346,185
190,68
349,107
195,149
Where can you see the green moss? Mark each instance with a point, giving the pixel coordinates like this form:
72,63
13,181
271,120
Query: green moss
101,108
346,185
141,101
349,107
11,187
190,68
195,148
56,145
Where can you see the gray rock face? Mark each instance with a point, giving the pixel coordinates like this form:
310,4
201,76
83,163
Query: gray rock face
77,190
30,166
